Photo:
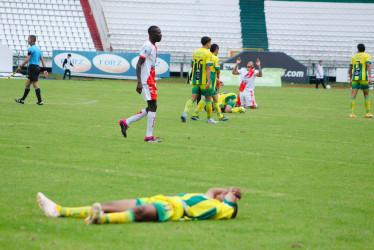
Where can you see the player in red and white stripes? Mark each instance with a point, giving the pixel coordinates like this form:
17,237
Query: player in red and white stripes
145,72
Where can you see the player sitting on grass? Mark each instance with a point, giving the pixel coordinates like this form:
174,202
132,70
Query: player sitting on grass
215,81
247,77
215,204
226,102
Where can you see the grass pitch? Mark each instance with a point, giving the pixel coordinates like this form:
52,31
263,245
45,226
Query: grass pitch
305,169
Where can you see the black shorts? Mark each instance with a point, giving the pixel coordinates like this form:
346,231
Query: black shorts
34,71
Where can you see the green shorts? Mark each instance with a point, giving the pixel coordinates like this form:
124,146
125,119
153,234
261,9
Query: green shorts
231,103
360,85
214,92
200,89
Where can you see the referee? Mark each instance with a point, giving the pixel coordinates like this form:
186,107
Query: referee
34,56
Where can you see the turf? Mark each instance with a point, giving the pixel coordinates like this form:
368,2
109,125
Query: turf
305,169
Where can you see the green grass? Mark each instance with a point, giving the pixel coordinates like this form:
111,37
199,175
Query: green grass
305,169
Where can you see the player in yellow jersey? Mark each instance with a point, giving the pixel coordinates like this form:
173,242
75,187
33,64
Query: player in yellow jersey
360,78
226,102
215,81
200,80
216,203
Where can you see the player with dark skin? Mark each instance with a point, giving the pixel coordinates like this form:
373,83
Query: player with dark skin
154,36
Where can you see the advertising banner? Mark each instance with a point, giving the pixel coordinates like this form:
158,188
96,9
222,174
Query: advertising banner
271,77
106,63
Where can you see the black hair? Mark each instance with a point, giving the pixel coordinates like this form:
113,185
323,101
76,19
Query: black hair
361,47
320,61
33,38
69,54
205,40
151,29
213,47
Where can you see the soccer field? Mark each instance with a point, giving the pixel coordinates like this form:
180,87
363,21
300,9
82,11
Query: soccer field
305,168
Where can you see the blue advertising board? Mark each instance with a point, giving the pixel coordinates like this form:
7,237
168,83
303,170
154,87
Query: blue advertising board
106,63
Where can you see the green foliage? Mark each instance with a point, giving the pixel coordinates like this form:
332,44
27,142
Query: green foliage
305,168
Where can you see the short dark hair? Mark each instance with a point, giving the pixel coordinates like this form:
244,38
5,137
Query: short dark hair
205,40
320,61
33,38
151,29
69,54
214,47
361,47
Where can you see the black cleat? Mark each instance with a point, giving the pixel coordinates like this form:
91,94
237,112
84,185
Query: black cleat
20,101
124,127
39,103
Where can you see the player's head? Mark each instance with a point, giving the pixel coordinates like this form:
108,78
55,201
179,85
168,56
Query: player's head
206,41
214,48
250,65
31,39
154,33
361,47
69,55
320,62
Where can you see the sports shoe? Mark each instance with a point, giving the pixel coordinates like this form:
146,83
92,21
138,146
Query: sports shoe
195,118
368,115
20,101
96,214
184,118
124,127
48,206
151,139
242,110
352,116
211,121
225,118
39,103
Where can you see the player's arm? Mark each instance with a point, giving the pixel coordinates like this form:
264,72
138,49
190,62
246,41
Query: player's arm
208,71
350,76
214,192
24,63
368,67
233,195
65,61
258,63
43,63
139,87
235,69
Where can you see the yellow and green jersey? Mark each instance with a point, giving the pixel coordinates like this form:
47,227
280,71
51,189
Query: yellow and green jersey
201,58
358,64
199,207
213,74
225,98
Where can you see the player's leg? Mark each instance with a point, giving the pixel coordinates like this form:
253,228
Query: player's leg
217,108
317,83
69,74
200,106
209,109
158,211
26,92
251,100
230,107
187,107
355,87
323,83
152,107
367,102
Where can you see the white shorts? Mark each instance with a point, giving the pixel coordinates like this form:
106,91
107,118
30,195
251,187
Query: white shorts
247,99
149,92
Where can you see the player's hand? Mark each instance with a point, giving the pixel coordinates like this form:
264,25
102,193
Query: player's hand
236,191
18,69
207,86
139,88
370,80
238,60
45,73
258,62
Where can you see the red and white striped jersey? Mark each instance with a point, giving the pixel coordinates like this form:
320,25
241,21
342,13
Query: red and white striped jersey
247,79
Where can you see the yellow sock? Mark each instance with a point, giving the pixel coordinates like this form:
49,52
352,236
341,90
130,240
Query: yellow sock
199,107
218,109
77,212
188,106
235,110
118,218
367,104
352,104
209,109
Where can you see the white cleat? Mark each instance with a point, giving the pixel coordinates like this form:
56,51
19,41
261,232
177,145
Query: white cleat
48,206
96,214
242,110
211,121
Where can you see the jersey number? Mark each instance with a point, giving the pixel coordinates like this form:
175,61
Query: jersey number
197,67
357,69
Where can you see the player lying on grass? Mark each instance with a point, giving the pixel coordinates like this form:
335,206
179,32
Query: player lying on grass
215,204
226,102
